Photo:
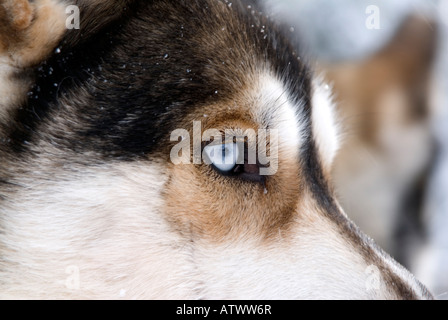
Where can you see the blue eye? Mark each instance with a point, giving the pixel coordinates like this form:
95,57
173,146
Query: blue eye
223,157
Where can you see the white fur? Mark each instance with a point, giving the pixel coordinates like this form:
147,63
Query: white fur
108,223
305,266
274,109
325,129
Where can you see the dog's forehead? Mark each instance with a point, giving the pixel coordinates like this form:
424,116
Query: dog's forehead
209,50
136,80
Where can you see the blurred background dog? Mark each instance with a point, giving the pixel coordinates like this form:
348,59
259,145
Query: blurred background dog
387,62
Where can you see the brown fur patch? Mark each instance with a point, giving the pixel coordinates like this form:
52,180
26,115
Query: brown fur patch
201,202
29,32
20,13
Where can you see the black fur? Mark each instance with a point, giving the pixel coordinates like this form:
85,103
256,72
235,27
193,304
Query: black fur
147,69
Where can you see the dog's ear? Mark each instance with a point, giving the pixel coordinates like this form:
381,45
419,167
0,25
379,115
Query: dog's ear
403,65
30,30
411,52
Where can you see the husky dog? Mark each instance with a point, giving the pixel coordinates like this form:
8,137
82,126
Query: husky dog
92,206
388,147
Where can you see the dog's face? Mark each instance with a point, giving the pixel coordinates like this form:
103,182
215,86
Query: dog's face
93,204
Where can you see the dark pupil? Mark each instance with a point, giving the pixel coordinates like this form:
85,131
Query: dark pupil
225,153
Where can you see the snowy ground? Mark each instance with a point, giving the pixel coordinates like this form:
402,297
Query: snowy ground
336,30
